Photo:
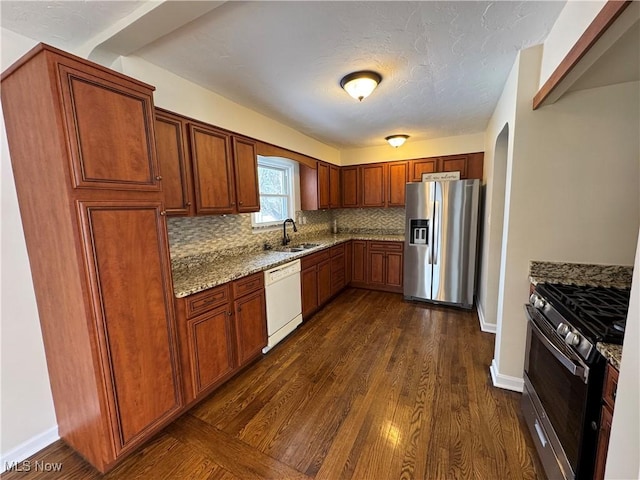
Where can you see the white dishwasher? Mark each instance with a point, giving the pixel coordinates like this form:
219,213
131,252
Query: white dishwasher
284,303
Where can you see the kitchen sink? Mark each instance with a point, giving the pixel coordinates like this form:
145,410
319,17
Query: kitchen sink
308,245
298,248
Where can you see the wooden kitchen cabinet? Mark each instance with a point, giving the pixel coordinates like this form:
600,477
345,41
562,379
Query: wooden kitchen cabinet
359,265
608,404
324,282
385,262
309,187
245,161
309,284
250,310
175,166
398,176
212,170
422,165
324,187
320,278
334,187
373,181
348,262
350,187
337,268
83,151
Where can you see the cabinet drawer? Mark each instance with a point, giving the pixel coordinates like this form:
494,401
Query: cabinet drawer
337,250
248,284
386,246
204,301
610,386
314,259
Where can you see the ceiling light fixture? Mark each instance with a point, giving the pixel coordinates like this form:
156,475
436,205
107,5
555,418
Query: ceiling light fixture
360,84
396,140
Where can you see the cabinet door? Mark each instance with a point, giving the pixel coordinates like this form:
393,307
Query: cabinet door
308,187
398,177
174,163
454,163
210,348
359,271
110,131
128,263
324,282
246,175
324,190
334,187
475,165
348,262
373,185
309,281
420,166
251,325
350,187
212,170
376,269
393,273
337,273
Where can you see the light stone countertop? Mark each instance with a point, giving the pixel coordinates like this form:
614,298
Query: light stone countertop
580,274
193,275
613,353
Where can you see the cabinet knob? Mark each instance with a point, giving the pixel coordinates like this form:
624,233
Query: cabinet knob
158,177
163,213
188,204
229,313
240,203
233,203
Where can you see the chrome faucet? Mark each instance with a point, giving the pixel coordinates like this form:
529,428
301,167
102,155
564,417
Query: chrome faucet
285,237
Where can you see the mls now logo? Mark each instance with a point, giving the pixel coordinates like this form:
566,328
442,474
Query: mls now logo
33,466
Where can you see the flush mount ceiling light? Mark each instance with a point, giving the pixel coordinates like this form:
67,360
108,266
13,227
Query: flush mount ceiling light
360,84
396,140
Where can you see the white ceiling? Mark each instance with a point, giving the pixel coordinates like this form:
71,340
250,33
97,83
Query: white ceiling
444,64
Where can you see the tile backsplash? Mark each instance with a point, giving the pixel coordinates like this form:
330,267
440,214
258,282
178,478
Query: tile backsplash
197,235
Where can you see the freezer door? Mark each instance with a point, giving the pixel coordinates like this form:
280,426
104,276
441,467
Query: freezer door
454,243
418,268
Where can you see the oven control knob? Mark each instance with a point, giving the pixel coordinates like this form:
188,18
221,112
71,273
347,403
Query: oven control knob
539,303
562,330
572,339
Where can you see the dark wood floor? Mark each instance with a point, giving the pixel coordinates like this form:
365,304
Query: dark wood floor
370,388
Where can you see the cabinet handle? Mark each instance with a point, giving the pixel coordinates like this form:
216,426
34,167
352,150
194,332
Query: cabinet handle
158,177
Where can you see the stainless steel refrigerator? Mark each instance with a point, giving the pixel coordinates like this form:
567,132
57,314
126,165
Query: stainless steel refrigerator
440,241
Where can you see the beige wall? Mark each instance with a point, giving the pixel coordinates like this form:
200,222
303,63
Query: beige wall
26,406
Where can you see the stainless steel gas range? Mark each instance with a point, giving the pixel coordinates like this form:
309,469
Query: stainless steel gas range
563,373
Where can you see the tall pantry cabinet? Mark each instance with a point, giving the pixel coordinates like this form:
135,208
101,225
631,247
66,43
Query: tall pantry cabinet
84,159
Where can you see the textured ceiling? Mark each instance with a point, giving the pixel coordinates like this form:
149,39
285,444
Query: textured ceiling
444,64
65,24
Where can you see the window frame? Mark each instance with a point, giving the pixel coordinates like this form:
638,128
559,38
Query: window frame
288,167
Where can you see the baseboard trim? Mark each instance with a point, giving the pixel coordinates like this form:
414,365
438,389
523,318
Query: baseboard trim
484,326
28,448
505,382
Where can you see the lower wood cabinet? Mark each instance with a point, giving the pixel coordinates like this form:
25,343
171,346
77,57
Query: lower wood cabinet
322,277
378,265
608,404
220,330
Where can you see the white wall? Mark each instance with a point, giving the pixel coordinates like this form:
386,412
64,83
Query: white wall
573,192
570,25
622,460
27,418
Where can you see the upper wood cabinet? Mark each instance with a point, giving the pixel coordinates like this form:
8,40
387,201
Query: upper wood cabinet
350,186
420,166
334,187
205,167
454,163
212,170
320,186
110,130
308,187
398,176
324,187
175,167
373,184
245,161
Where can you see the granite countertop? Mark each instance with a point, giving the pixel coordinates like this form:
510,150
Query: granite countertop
580,274
198,273
613,353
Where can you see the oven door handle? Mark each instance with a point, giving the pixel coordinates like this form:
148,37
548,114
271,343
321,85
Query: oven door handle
581,370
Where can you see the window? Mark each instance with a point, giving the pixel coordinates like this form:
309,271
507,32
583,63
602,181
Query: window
275,178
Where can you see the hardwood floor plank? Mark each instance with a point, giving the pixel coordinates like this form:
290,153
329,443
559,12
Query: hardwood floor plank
231,454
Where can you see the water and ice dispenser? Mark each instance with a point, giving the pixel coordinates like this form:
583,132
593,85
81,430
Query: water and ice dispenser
419,232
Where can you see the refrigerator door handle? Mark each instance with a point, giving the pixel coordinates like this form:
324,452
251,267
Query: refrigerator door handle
436,233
